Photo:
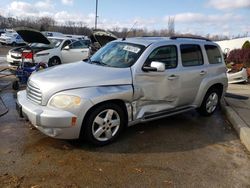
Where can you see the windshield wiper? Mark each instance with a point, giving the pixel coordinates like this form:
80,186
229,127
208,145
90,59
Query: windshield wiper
98,63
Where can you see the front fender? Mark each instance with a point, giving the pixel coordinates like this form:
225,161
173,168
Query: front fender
95,95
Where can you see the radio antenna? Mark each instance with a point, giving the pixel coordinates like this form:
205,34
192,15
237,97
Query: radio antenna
126,34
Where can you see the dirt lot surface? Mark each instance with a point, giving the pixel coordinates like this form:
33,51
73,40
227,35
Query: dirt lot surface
186,150
4,49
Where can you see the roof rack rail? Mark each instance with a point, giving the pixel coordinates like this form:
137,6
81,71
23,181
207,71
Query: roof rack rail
187,37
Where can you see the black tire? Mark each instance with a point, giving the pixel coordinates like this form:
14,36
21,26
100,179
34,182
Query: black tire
13,44
54,61
210,102
15,85
107,129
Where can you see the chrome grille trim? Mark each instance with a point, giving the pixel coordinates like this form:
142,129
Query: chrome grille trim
34,93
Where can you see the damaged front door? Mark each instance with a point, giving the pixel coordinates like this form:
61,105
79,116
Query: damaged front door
157,91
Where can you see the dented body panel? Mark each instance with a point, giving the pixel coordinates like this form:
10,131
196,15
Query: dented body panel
146,95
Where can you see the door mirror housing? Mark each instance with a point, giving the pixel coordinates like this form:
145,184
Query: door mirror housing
159,66
66,47
155,66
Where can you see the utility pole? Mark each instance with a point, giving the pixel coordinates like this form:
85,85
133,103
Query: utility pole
96,15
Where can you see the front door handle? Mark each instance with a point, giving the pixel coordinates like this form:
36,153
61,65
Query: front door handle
173,77
203,72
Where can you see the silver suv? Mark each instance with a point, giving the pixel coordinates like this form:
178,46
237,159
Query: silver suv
127,81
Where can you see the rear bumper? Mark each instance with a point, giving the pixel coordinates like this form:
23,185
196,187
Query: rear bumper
238,77
52,122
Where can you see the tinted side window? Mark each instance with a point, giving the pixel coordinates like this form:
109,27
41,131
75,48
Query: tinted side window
213,54
191,55
166,54
77,45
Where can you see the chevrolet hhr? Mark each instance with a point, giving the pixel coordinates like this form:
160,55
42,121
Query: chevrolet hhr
127,81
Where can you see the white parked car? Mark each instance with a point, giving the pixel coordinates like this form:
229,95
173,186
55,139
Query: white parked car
237,77
51,50
11,38
52,34
63,50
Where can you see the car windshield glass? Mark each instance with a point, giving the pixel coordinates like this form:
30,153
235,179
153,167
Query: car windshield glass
54,44
118,54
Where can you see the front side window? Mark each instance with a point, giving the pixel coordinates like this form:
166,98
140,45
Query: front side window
191,55
166,55
213,54
66,43
118,54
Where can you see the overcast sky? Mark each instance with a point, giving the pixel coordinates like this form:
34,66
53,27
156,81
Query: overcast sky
223,17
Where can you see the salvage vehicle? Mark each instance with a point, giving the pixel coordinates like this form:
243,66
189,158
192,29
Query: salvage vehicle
51,51
128,81
99,38
11,38
239,76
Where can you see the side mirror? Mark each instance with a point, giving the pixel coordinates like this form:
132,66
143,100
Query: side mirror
155,66
66,47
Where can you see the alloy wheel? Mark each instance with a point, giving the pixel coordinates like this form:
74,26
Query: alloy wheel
106,125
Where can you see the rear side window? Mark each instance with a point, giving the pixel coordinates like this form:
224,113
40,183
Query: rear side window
77,45
166,55
191,55
213,54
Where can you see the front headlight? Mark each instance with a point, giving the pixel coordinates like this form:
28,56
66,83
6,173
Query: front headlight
65,101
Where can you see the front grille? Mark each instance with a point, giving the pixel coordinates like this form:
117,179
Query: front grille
16,57
34,93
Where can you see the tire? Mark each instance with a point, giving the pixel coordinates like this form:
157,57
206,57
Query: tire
54,61
103,124
13,44
210,102
15,85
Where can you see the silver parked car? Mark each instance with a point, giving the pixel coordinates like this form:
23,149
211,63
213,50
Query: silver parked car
127,81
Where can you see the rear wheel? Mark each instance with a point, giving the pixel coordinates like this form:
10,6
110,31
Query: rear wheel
104,124
210,102
54,61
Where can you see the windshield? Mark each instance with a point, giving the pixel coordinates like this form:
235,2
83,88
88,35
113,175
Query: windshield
118,54
54,44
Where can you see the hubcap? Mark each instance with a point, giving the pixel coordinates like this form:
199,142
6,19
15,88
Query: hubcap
55,62
105,125
212,102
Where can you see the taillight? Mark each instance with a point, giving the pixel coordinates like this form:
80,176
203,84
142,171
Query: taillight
27,55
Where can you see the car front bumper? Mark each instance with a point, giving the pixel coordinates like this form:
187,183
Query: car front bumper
52,122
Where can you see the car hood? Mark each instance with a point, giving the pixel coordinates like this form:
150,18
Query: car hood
102,37
78,75
32,36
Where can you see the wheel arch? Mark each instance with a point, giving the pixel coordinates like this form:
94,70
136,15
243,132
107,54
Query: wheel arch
55,56
205,88
217,86
119,102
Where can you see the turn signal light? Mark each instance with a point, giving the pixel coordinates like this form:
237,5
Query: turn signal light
73,121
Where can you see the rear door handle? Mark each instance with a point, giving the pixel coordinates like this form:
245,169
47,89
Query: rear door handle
173,77
203,72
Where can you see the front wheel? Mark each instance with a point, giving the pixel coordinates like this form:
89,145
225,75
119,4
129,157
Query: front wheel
210,102
104,124
54,61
